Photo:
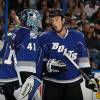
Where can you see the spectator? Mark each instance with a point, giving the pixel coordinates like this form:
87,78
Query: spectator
82,18
43,6
71,7
91,41
73,23
14,18
17,5
95,16
1,8
13,21
89,35
91,8
1,18
97,23
97,30
25,4
56,4
33,3
79,8
46,21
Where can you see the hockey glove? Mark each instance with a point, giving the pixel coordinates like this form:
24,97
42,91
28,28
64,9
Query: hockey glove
54,65
92,84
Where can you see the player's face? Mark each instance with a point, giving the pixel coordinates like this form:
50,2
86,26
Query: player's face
57,23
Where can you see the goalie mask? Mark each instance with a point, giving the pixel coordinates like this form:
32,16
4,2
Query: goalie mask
31,19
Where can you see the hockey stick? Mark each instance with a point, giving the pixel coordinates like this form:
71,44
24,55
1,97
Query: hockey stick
14,57
77,66
81,71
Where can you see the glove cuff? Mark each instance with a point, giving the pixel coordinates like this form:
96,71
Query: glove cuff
88,71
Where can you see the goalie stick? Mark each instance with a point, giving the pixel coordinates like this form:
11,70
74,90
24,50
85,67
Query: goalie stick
14,57
81,71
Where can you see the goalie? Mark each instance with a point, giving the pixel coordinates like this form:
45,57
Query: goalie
29,55
62,79
23,56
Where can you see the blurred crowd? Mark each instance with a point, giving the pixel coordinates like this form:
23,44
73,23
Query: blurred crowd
81,15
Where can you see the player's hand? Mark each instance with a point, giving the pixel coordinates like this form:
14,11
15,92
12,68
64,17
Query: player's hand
92,84
54,65
26,88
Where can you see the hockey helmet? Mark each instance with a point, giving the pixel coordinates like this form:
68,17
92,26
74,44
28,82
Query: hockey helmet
31,19
56,12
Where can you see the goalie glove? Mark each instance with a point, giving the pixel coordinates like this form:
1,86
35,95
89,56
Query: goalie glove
54,65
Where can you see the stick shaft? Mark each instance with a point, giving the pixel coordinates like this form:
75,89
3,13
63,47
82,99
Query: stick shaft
77,66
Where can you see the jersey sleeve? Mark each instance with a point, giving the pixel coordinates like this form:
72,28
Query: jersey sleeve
82,52
39,67
18,36
44,43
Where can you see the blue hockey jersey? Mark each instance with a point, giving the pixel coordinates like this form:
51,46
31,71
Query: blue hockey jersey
72,44
27,52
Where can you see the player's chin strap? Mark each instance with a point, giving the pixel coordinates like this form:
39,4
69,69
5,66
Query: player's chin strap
91,81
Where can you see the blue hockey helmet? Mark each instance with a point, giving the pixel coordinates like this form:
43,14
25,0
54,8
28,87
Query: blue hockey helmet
31,19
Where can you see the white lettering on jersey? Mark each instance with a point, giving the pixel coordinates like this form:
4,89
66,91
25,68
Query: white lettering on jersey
55,45
61,48
31,46
9,59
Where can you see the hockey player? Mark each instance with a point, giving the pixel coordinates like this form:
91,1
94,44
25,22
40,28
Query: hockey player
8,77
23,55
61,78
30,54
